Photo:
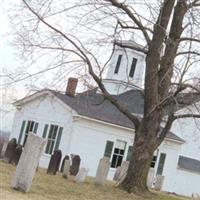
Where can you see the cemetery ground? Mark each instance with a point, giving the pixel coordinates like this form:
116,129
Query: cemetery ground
50,187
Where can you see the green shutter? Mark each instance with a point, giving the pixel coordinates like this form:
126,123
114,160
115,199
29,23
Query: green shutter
45,131
108,149
35,128
59,138
129,154
21,131
161,164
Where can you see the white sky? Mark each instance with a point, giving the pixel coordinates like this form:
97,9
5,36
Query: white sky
8,60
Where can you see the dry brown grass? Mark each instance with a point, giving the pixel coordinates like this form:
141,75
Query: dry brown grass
48,187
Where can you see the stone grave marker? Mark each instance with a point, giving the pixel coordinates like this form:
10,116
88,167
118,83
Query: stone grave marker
10,150
76,160
3,150
54,162
17,154
159,182
28,163
117,174
63,163
123,170
82,174
66,168
150,178
102,171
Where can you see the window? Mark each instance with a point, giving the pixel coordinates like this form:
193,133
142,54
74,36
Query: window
118,64
118,154
31,126
108,149
161,163
153,162
130,149
133,65
54,137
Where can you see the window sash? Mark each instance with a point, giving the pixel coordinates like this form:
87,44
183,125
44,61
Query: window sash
133,66
31,126
54,136
118,64
161,163
118,154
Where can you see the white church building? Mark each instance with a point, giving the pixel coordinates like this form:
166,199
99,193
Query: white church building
90,126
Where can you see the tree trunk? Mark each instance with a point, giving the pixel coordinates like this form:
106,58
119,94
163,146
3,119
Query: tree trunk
136,179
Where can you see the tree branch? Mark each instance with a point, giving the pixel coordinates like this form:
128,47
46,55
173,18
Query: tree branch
85,58
125,8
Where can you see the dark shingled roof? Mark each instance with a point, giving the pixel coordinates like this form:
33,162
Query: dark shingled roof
92,104
189,164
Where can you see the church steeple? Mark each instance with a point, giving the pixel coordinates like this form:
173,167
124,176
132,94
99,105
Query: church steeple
126,69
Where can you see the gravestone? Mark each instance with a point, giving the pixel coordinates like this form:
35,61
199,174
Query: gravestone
28,163
76,160
150,178
3,150
159,182
17,154
81,176
117,174
54,162
63,162
102,171
66,169
10,150
123,171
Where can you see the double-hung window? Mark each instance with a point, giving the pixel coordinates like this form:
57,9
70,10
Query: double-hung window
118,64
118,154
31,126
53,137
133,66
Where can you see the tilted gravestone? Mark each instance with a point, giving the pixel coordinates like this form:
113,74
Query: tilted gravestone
159,182
17,154
76,160
54,162
28,163
3,150
81,176
66,169
117,174
63,163
10,150
102,171
123,171
150,178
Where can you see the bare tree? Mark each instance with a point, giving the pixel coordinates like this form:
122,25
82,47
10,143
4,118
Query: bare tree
168,30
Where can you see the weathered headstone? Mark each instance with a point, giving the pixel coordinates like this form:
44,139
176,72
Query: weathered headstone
159,182
17,154
66,169
117,174
102,171
150,178
76,160
10,150
3,150
28,163
54,162
123,170
81,176
63,163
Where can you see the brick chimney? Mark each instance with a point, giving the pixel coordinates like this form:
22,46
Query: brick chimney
71,86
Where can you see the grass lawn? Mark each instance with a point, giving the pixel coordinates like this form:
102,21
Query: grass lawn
48,187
